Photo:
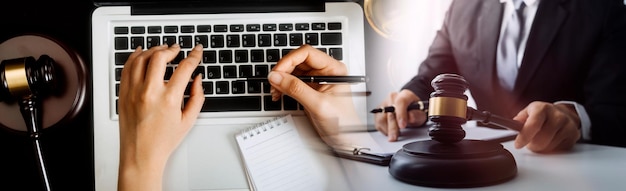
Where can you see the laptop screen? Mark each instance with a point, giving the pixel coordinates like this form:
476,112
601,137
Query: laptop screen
131,2
150,7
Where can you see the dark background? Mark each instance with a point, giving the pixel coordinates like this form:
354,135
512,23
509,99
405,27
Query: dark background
67,148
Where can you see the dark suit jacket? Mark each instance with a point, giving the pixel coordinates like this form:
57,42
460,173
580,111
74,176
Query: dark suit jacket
576,51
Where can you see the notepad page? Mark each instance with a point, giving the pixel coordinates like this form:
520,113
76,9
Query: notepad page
276,158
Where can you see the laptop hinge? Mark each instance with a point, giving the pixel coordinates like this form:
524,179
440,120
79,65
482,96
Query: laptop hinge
228,6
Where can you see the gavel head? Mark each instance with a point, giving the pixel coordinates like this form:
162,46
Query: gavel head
26,77
448,108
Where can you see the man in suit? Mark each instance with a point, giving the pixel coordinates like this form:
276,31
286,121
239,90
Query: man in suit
569,74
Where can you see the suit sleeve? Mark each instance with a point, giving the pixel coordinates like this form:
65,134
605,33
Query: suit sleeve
605,86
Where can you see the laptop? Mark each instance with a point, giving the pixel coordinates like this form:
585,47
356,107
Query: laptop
241,38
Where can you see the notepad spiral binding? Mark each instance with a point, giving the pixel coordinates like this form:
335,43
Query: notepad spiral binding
263,127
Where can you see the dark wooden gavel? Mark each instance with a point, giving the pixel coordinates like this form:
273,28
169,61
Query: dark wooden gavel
447,108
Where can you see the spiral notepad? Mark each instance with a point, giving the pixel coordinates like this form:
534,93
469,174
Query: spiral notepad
275,157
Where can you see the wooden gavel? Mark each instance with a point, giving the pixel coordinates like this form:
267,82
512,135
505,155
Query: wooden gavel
447,108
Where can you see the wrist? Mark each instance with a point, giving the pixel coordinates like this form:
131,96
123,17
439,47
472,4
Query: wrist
135,175
583,118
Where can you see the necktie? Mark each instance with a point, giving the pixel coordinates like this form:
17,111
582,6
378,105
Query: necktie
509,45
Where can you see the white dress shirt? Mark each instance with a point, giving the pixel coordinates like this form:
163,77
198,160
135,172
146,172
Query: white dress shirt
529,15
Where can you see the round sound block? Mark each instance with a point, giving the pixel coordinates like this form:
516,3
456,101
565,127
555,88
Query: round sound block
468,163
67,100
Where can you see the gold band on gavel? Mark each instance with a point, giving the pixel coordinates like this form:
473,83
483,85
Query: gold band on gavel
447,106
16,79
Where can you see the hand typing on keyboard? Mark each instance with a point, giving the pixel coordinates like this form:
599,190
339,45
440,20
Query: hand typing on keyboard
152,123
325,107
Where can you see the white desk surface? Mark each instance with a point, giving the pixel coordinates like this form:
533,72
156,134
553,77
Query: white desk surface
587,167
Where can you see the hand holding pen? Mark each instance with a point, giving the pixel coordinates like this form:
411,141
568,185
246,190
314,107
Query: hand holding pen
389,123
327,111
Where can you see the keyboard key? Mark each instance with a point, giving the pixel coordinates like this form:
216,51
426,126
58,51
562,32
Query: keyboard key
232,41
185,41
217,41
168,73
286,51
322,49
238,87
257,56
226,56
266,87
311,38
200,70
270,105
336,53
207,87
120,30
253,27
118,74
318,26
241,56
221,87
245,71
290,103
204,28
265,40
209,56
230,71
331,38
236,103
154,29
220,28
121,57
295,39
254,87
136,42
170,29
169,40
121,43
187,29
202,39
213,72
117,90
285,27
137,30
334,26
152,41
272,55
180,56
302,26
261,70
280,39
248,40
236,28
269,27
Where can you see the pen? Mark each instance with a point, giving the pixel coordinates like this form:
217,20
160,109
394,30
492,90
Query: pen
318,79
421,105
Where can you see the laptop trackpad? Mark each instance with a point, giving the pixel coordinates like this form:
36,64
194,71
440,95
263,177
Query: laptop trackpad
213,158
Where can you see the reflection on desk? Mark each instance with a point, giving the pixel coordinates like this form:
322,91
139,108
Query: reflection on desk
586,167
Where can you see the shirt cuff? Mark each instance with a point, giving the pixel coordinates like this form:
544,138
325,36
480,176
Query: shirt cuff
585,122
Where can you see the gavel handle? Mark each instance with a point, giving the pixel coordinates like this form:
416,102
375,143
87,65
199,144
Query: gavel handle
32,117
488,118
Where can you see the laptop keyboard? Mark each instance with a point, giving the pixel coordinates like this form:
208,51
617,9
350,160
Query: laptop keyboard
231,51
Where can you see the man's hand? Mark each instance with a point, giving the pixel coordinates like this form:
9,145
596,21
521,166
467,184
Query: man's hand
391,123
548,127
